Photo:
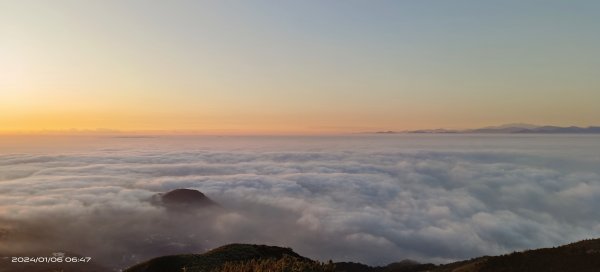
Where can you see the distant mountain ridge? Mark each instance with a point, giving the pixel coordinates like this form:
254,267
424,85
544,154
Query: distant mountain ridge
536,129
508,129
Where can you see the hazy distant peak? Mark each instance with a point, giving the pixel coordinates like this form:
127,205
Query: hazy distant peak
516,125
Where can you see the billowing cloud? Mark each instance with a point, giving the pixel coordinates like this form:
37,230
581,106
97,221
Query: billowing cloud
346,201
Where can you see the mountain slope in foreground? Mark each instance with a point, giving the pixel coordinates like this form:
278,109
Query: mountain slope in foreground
582,256
222,258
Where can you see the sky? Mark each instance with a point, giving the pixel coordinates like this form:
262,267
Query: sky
278,67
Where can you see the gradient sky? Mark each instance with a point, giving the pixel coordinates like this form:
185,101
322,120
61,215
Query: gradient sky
297,66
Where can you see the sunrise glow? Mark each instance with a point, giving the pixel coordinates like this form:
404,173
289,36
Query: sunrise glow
286,68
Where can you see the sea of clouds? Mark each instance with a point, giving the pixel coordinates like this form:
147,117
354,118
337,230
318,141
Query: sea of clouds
372,199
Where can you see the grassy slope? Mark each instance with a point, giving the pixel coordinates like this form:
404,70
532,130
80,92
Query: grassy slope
582,256
214,258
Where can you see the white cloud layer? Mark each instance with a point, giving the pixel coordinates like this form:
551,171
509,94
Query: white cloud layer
359,199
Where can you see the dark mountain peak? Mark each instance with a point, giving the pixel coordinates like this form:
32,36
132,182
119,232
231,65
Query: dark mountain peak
183,199
184,196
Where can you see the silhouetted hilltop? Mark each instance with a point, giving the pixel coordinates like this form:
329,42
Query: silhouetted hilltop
183,199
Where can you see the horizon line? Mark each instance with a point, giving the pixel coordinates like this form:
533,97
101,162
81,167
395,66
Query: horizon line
196,132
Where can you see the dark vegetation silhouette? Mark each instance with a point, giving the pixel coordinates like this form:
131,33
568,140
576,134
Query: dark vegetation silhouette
582,256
